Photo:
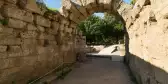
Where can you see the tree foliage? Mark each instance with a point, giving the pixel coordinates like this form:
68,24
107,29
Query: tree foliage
102,30
133,2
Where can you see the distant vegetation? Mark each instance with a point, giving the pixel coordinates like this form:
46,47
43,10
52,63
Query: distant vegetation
105,30
43,6
133,2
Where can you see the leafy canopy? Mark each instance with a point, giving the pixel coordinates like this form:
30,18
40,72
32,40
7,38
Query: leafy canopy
102,30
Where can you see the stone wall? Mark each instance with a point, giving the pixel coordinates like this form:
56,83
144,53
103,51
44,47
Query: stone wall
34,41
147,25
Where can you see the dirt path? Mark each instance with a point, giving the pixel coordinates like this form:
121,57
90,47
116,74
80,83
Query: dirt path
98,71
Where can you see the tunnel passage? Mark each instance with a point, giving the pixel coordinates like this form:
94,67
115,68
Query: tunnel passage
33,40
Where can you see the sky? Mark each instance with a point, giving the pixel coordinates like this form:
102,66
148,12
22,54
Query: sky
57,4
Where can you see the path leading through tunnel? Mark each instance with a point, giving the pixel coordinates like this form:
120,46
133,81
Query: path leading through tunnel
98,71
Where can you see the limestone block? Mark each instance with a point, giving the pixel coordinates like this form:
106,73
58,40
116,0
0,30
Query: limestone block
29,34
16,23
5,30
135,12
62,27
4,63
32,6
163,13
31,27
3,48
55,25
10,41
52,31
12,1
64,21
41,29
14,12
69,30
141,3
83,11
30,60
107,4
40,20
100,2
68,5
29,47
74,18
1,3
90,2
15,62
46,36
63,12
73,25
3,55
15,51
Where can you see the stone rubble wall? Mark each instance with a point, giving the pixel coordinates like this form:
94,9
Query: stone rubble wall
147,25
34,41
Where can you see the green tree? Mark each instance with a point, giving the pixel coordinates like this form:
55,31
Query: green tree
102,30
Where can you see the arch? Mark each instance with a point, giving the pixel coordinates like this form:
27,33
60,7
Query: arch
78,10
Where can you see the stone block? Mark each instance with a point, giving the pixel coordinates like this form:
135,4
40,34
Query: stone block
32,6
29,47
3,48
10,41
83,11
4,63
1,3
12,1
15,51
30,60
40,20
29,34
63,12
31,27
46,36
74,18
16,24
3,55
107,4
55,25
5,30
41,29
14,12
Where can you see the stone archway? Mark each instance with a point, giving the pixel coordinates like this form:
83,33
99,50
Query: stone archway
79,10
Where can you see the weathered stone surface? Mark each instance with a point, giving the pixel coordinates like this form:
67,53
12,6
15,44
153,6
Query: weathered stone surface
3,55
1,3
32,6
31,27
4,63
46,36
15,51
16,24
147,29
29,47
10,41
14,12
42,21
12,1
3,48
5,30
41,29
29,34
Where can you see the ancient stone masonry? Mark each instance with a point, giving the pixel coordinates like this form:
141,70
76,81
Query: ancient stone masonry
147,25
33,41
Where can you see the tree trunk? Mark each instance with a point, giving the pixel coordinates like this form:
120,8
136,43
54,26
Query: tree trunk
117,39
